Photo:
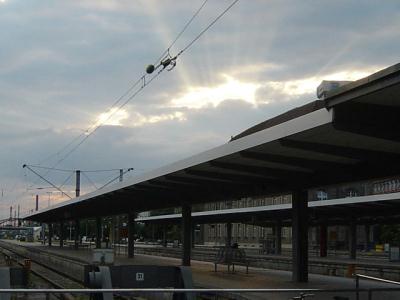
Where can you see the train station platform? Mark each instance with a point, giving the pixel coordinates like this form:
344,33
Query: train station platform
205,277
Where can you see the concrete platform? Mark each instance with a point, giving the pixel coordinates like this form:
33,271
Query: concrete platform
205,277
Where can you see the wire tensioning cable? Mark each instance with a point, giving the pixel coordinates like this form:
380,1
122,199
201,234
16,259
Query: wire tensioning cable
49,182
112,180
89,180
66,180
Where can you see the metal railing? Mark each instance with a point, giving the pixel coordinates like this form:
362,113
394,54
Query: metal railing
370,291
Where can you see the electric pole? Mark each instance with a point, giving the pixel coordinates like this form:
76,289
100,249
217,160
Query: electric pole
78,183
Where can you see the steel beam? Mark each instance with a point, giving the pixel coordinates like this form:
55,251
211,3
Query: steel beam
231,177
266,172
300,162
340,151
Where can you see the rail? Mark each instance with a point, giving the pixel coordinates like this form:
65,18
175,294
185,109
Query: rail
370,291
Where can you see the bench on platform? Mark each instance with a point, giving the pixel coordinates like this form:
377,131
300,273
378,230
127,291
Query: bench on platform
231,257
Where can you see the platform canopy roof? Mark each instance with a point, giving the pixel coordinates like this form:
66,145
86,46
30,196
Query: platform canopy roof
353,134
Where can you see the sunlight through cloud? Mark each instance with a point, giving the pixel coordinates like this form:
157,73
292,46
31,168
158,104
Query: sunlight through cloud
198,97
141,120
309,85
113,117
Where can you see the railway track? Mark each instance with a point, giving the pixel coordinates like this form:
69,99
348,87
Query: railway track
48,278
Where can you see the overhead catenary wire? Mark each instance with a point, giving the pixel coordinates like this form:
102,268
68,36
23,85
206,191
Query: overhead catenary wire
93,125
49,182
66,180
89,180
181,32
96,125
92,129
115,178
121,106
208,27
70,170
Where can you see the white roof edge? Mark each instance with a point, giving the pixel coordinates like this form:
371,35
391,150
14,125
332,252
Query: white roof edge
355,200
308,121
322,203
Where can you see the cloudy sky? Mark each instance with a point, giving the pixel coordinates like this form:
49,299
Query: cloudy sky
64,63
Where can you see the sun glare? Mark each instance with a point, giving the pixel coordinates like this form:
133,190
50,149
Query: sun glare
198,97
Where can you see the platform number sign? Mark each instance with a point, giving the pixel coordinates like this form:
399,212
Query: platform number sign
139,276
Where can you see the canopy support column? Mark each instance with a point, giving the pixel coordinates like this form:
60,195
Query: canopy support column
367,235
228,242
131,234
50,225
300,236
278,237
76,234
187,234
164,241
323,240
353,239
62,234
98,232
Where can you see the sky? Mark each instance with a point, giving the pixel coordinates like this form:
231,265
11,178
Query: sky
64,63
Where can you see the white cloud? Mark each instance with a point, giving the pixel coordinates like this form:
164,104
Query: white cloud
236,89
303,86
139,119
113,117
199,97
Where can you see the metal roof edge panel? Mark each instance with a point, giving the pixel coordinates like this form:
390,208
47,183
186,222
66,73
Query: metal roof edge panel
348,91
305,122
